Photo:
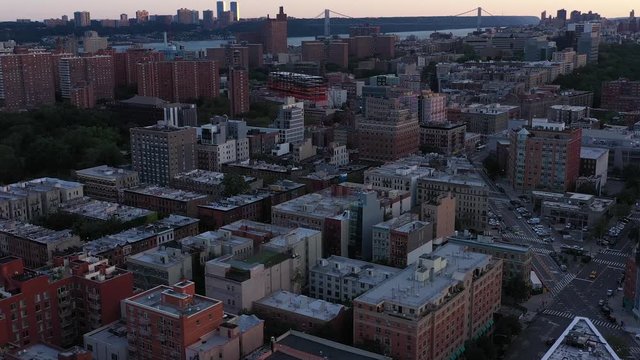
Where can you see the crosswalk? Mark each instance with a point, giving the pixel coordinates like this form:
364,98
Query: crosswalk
615,264
568,315
635,351
523,238
555,290
541,251
614,252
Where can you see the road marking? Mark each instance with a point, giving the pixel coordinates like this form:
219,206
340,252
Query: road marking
568,315
615,252
541,251
557,288
613,264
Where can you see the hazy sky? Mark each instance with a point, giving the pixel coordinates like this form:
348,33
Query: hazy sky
41,9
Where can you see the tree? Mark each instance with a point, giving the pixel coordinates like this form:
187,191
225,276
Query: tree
619,345
508,326
517,289
492,167
234,184
481,348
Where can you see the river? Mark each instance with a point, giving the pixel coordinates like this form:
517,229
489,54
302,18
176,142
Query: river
292,41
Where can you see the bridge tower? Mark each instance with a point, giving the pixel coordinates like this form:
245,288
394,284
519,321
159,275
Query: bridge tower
327,23
479,18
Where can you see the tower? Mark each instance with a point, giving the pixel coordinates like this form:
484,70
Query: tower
220,8
235,9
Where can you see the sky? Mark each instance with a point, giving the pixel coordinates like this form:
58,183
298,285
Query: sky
100,9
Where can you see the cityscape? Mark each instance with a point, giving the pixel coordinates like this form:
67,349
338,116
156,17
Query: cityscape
206,185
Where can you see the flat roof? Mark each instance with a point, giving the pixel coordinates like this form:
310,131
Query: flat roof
34,233
201,176
362,271
405,290
489,243
114,334
581,340
237,201
105,172
176,221
103,210
152,300
167,193
593,153
314,345
123,238
159,257
302,305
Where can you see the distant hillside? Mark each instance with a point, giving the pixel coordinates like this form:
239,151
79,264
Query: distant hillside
312,27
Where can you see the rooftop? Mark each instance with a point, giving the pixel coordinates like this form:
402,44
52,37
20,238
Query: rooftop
103,210
34,232
176,221
214,238
432,277
410,167
201,176
124,238
568,108
492,109
160,257
302,305
114,334
237,201
167,193
38,185
105,172
153,300
38,352
581,340
313,345
487,242
364,272
593,153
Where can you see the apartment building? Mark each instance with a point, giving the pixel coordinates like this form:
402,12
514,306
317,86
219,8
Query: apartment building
441,212
28,200
105,211
26,81
281,264
467,187
160,152
77,294
165,200
516,259
107,183
287,310
223,141
34,244
160,266
433,107
339,279
576,209
430,309
487,119
399,241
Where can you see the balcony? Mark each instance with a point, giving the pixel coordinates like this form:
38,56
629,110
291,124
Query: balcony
93,296
95,305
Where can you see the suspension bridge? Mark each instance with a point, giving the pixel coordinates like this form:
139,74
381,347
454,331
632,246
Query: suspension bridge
327,13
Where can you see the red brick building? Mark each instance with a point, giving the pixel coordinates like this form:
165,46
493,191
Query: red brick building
334,52
621,95
544,159
430,309
299,86
163,321
26,81
96,72
126,64
274,34
77,295
239,91
178,81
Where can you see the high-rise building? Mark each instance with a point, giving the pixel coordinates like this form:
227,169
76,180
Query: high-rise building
82,19
178,81
442,300
562,15
432,107
544,158
239,91
95,71
290,121
221,7
160,152
585,37
208,21
443,138
389,130
142,16
187,17
235,9
128,61
92,42
274,34
26,81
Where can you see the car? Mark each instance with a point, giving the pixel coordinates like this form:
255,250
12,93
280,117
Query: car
519,217
620,289
609,292
593,275
601,302
611,318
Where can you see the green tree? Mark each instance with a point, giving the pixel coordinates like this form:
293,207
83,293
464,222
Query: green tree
234,184
481,348
517,289
492,167
619,345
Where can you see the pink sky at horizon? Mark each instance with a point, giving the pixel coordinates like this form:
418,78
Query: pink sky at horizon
36,10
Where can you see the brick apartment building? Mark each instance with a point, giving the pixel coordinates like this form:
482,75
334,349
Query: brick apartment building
164,200
620,95
34,244
172,322
430,309
78,294
106,183
544,158
443,138
178,81
26,81
96,72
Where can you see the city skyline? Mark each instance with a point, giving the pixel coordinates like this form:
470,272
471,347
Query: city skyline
33,9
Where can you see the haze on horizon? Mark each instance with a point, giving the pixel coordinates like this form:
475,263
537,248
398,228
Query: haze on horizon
43,9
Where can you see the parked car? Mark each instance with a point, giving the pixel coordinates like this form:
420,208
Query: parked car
593,275
609,292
